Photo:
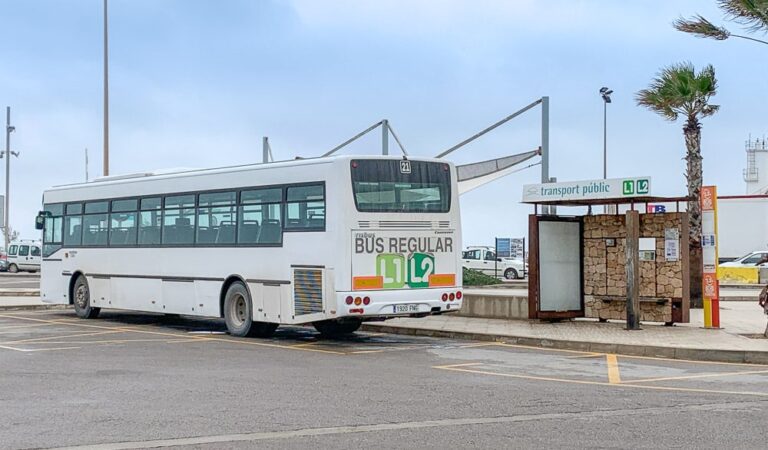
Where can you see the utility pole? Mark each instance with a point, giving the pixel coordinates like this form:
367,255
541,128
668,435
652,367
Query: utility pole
106,93
86,164
7,154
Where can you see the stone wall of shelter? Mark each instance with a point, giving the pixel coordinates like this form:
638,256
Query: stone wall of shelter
605,283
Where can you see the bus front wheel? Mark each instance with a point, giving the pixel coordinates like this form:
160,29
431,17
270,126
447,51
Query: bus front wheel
81,299
333,328
238,314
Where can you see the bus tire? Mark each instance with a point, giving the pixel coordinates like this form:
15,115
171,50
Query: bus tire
81,299
333,328
13,268
510,274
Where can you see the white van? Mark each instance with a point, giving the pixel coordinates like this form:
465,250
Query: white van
24,255
485,260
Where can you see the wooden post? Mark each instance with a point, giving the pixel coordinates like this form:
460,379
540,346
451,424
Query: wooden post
632,251
533,266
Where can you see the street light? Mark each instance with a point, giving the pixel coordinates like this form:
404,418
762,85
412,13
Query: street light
606,94
7,155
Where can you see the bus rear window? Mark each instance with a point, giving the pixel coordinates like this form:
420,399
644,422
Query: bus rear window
401,186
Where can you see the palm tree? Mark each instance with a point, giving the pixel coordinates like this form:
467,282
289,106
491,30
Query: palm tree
752,14
679,91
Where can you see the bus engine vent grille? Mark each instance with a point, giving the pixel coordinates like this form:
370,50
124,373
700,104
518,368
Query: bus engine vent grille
307,291
405,224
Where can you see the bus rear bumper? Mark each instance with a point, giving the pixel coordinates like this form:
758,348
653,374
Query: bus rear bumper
403,303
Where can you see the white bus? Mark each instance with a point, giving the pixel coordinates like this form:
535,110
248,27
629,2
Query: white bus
329,241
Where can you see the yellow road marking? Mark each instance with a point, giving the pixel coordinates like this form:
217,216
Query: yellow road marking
704,375
3,330
37,349
457,368
479,344
452,366
715,363
589,355
48,338
613,369
176,335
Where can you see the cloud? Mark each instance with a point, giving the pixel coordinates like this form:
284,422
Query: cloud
465,18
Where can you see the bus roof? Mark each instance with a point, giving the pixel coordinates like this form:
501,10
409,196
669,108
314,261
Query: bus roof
170,174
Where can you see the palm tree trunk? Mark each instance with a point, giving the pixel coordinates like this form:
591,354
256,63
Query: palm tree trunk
692,132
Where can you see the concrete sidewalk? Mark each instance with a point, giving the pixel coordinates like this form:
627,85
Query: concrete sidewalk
684,341
15,302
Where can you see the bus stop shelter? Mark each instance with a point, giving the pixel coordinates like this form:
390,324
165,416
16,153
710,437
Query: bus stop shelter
629,264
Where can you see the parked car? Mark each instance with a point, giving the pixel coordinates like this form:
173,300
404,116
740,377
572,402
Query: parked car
485,260
24,255
749,260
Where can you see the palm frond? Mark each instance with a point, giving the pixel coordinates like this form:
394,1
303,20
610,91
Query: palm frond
752,13
678,89
701,27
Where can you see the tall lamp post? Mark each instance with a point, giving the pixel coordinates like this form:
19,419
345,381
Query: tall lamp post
106,92
606,94
7,155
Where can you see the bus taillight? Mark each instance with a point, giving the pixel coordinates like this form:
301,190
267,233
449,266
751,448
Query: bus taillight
445,297
349,300
366,300
458,295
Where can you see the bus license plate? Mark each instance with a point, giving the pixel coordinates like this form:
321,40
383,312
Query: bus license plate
405,308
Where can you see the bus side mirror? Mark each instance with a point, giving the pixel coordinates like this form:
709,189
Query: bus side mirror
40,220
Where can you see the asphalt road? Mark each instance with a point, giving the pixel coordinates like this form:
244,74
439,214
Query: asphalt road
135,381
15,281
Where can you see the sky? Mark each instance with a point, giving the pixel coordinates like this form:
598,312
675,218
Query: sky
197,83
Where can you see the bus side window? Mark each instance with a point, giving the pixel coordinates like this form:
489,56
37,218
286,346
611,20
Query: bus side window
305,207
150,219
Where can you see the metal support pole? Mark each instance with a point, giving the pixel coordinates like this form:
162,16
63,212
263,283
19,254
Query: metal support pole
546,209
545,139
350,140
632,251
86,165
385,137
7,155
605,140
106,94
265,149
498,124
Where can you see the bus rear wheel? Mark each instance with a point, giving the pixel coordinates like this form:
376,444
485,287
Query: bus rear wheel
333,328
238,314
81,299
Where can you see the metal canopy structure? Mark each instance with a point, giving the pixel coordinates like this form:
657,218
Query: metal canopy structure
474,175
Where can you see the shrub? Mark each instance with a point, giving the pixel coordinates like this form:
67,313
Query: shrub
476,278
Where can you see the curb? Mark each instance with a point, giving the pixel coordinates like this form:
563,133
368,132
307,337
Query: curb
739,299
690,354
742,286
19,275
32,307
19,293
